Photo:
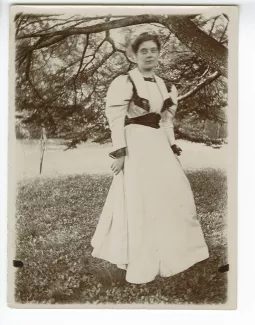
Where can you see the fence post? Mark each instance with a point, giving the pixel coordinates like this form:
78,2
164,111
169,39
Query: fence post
42,146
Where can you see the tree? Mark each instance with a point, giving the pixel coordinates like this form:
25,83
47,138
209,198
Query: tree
65,64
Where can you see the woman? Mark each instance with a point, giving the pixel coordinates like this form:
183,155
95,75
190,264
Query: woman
148,225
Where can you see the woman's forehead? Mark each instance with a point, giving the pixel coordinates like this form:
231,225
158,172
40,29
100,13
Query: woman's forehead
147,44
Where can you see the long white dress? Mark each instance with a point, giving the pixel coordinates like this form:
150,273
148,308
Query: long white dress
149,223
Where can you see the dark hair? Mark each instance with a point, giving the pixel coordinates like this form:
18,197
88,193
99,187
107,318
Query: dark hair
144,37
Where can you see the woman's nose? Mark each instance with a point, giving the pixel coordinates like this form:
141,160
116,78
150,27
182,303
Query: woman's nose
149,54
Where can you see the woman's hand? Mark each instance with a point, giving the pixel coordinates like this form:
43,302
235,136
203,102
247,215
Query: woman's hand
176,150
118,165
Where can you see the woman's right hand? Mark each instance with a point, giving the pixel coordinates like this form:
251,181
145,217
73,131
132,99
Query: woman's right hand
176,150
118,165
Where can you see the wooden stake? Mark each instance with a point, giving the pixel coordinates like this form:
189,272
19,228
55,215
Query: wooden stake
42,147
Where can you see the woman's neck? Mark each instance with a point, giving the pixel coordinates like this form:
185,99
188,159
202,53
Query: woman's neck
146,73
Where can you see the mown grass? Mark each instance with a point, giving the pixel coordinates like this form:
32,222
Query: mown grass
56,218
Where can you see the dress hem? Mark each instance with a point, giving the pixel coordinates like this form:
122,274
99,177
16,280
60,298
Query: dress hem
204,255
175,272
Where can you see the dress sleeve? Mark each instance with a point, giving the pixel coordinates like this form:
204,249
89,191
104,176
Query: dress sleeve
118,98
168,116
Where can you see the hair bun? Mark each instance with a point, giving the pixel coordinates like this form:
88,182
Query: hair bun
144,37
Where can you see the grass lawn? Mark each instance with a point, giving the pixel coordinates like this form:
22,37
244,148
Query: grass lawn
56,218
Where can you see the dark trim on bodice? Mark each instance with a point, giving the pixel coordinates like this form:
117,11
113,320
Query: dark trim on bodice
139,101
167,104
144,103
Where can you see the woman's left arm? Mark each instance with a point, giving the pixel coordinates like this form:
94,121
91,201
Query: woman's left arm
167,121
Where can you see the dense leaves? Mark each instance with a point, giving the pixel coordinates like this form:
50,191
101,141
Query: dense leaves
63,74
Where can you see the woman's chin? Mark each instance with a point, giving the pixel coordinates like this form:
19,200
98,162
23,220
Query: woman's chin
149,66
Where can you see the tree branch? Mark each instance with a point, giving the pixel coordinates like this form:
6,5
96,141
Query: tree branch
115,49
203,22
201,85
97,66
81,62
187,32
211,30
78,22
93,55
224,32
98,28
50,41
19,24
83,54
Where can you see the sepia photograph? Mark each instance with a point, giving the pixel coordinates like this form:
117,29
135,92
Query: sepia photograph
122,157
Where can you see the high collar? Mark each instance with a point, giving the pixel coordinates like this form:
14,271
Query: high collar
140,84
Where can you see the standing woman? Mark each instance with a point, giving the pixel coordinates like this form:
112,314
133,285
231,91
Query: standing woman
149,223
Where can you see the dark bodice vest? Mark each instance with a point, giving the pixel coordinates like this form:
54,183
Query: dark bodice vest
144,103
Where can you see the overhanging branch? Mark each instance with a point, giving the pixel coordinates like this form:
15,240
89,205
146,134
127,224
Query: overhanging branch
203,45
201,85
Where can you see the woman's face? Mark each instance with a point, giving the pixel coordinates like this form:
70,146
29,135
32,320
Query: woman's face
147,55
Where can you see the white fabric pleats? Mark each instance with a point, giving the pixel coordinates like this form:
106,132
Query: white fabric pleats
149,224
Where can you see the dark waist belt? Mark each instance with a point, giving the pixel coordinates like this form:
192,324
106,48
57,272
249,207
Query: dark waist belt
150,119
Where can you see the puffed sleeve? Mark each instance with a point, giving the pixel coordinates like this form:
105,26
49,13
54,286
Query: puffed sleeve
168,116
118,98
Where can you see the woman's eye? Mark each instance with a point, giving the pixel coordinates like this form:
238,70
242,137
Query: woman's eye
144,51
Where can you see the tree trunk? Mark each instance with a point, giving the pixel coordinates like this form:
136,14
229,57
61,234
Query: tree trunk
200,43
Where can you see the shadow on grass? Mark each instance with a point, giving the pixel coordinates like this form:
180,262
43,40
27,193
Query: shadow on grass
56,219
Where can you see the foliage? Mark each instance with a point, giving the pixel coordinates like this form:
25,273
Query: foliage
56,219
201,130
62,78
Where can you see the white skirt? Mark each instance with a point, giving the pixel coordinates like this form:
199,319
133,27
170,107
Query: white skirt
149,223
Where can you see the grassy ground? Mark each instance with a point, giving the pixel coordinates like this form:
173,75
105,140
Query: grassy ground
56,218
